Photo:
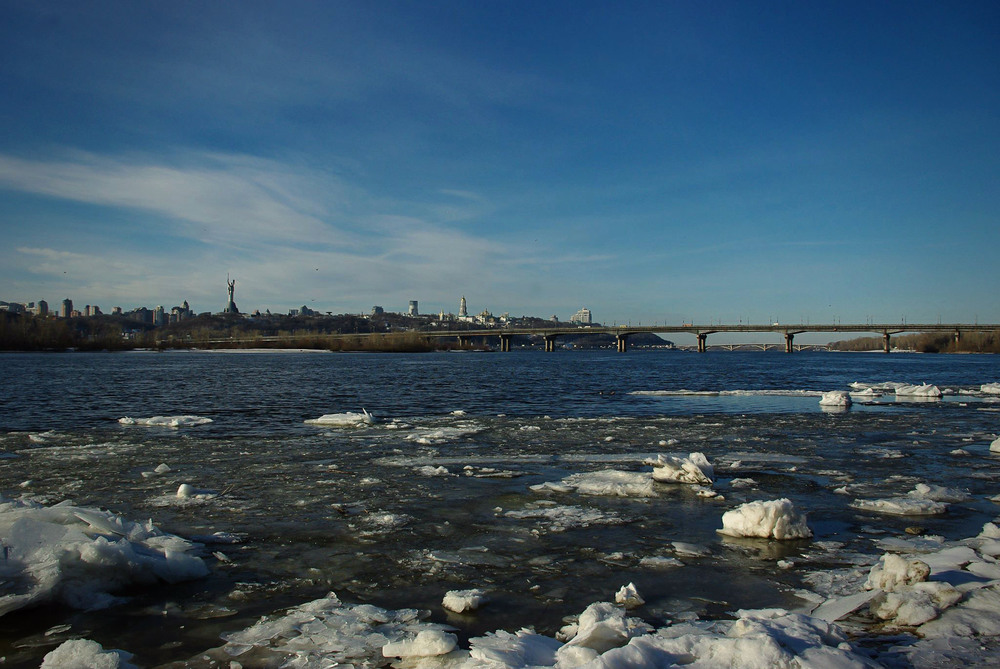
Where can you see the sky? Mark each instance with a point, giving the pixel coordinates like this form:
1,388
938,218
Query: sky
656,162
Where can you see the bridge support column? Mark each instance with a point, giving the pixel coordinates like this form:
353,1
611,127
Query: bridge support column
504,343
463,341
702,345
886,346
550,343
958,336
622,341
789,338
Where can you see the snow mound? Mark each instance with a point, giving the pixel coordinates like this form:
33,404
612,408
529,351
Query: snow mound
693,469
836,398
776,519
923,390
346,419
166,421
907,598
461,601
78,555
427,643
85,654
629,597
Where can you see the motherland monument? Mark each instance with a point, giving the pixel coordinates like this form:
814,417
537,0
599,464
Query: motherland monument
231,306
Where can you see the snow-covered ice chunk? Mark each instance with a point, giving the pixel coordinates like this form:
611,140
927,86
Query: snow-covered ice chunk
995,445
166,421
427,643
85,654
523,649
186,491
601,627
923,390
629,597
693,469
835,398
429,470
776,519
894,571
80,555
990,388
461,601
902,506
346,419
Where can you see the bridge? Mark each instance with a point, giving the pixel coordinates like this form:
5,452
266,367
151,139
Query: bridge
622,333
701,332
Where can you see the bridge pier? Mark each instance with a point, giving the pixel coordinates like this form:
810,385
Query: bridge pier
702,346
505,343
958,336
550,343
463,341
886,346
789,338
622,341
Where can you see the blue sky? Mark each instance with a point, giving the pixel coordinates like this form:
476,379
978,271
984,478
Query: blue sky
655,162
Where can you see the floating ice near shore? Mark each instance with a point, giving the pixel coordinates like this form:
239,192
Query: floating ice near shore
85,654
937,493
557,518
80,555
441,435
188,491
461,601
166,421
629,597
995,445
325,631
346,419
990,388
836,398
776,519
923,390
693,469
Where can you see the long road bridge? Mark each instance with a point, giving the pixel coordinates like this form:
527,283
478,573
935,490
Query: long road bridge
622,333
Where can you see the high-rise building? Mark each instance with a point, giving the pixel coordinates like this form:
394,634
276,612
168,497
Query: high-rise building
159,316
43,308
67,308
582,316
413,308
462,309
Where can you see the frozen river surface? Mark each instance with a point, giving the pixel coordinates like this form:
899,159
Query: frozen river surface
201,492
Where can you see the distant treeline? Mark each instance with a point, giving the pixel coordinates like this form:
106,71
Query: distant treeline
25,332
937,342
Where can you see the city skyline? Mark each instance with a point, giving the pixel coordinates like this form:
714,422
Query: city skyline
671,162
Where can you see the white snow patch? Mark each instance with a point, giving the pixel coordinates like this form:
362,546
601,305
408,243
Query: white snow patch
612,483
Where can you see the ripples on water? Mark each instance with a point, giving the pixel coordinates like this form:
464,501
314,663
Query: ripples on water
436,495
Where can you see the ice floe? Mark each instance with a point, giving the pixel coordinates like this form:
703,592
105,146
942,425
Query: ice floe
85,654
558,518
607,483
775,519
672,469
166,421
836,398
461,601
346,419
990,388
629,597
995,445
79,555
923,390
902,506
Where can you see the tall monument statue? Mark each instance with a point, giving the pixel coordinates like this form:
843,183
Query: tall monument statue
231,307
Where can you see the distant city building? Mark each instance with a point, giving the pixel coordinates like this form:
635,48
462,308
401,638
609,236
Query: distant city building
413,311
463,312
43,308
159,316
554,319
67,308
582,316
116,311
377,310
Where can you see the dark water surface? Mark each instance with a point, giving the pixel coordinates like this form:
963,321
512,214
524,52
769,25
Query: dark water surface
436,494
